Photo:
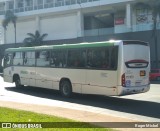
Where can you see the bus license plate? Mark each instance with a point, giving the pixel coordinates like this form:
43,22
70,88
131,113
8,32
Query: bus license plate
142,73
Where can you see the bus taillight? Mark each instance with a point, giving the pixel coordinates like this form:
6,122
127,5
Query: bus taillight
123,80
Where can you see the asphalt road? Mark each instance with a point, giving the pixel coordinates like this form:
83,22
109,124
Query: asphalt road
141,107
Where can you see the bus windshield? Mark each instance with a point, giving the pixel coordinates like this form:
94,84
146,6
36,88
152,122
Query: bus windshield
136,56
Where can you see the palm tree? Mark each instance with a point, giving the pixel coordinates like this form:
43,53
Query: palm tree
10,18
34,39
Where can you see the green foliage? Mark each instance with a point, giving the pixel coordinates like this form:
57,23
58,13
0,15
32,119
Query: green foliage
1,69
155,8
155,14
12,115
9,18
34,39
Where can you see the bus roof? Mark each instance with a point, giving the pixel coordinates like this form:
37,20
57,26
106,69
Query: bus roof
63,46
76,46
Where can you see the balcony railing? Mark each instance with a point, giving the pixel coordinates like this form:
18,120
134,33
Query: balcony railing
98,32
123,29
28,8
48,5
38,7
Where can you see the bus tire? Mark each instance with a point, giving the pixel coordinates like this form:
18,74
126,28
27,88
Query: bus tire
17,82
66,88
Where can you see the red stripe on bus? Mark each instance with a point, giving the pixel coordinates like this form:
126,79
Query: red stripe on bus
137,61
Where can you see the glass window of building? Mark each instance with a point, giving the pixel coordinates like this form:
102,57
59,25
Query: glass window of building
19,4
2,6
10,5
29,3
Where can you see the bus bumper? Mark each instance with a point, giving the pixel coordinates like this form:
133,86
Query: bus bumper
132,90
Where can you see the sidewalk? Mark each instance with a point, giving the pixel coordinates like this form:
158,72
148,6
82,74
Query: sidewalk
78,115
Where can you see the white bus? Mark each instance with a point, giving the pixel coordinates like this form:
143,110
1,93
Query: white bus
110,68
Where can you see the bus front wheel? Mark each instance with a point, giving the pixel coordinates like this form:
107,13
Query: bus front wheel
17,82
66,88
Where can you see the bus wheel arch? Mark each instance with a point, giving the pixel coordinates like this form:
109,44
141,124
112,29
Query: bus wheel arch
17,80
65,87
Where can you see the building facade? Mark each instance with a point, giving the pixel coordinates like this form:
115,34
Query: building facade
70,21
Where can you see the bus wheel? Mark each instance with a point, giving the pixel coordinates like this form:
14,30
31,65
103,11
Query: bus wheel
66,88
18,82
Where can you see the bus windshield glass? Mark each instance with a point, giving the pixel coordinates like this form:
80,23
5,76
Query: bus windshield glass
136,56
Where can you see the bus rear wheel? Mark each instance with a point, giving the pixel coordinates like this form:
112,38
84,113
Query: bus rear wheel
66,88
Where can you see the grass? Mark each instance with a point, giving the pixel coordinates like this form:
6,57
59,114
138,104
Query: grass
12,115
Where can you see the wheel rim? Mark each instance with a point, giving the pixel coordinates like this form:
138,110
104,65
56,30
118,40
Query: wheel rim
18,83
65,89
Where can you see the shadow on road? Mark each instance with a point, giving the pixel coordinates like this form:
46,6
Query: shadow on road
144,108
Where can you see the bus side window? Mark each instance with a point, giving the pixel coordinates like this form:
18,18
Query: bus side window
89,58
114,58
98,58
58,58
76,58
94,58
29,58
25,58
43,58
17,58
8,60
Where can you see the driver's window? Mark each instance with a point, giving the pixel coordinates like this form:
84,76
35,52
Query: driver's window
8,60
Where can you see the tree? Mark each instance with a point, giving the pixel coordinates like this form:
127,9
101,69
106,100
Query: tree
155,8
155,15
34,39
10,18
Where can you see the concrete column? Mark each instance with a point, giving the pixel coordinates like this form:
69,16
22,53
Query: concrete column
5,6
2,35
24,5
14,4
33,4
80,24
38,23
43,4
128,16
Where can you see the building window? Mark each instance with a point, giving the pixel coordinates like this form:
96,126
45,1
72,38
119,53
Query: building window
48,1
10,5
38,4
20,4
29,3
2,5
